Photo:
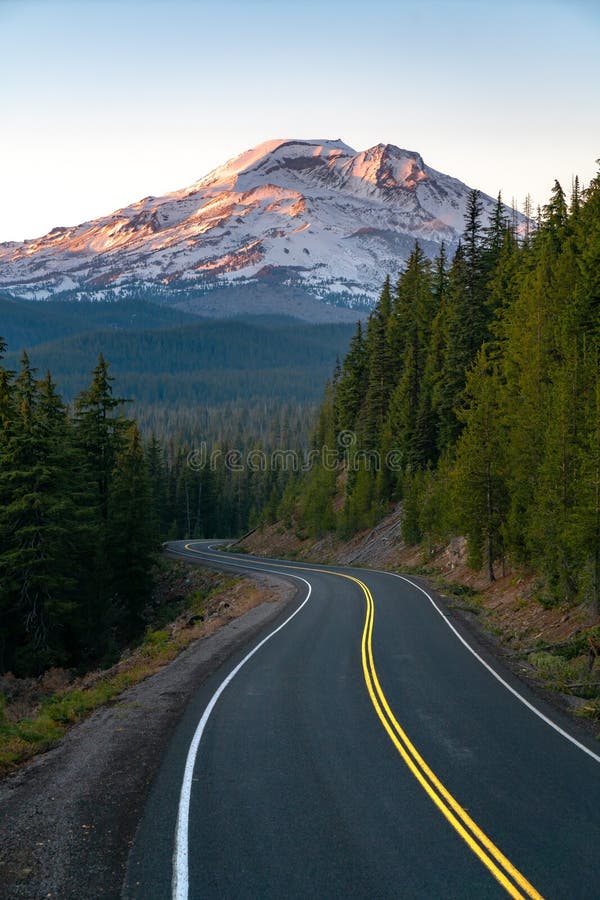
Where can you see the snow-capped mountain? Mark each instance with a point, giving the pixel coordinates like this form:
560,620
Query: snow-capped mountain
310,217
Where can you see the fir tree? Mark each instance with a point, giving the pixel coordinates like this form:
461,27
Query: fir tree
100,430
458,353
130,541
415,306
479,472
378,371
159,512
350,387
39,529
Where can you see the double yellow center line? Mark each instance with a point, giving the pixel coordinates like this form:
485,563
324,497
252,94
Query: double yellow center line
492,858
500,867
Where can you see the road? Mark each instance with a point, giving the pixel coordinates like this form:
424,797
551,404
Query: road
364,748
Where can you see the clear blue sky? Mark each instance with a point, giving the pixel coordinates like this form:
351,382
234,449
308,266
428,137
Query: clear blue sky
105,102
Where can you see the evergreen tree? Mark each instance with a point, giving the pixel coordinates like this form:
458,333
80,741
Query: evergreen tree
414,304
316,511
159,512
552,508
379,371
494,236
39,530
350,387
555,216
458,353
130,541
100,431
586,520
479,472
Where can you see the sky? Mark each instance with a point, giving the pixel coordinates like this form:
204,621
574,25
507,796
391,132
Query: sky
105,102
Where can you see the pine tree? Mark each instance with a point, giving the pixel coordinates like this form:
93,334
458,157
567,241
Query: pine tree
479,471
414,305
40,529
586,518
159,508
350,387
427,429
458,353
478,263
316,510
379,369
554,219
130,541
100,430
493,234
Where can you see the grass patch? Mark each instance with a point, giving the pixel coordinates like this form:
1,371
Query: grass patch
568,674
591,710
24,738
43,728
417,569
464,597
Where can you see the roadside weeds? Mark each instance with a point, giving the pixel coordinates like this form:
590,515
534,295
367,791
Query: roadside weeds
35,714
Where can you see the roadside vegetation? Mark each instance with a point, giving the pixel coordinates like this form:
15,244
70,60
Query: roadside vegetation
187,604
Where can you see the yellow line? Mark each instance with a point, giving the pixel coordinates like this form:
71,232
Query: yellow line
371,680
451,808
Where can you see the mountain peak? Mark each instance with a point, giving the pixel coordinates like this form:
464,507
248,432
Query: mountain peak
279,149
387,167
286,219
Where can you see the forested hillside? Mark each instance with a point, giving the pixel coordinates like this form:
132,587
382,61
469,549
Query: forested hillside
231,382
27,323
473,394
200,363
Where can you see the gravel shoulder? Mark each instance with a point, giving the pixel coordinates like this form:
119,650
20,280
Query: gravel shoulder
68,818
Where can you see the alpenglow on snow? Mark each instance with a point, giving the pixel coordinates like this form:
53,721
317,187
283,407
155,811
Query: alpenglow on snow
286,220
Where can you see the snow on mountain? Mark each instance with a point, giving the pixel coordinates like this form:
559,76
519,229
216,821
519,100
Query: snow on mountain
311,216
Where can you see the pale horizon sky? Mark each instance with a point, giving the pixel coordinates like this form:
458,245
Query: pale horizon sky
106,102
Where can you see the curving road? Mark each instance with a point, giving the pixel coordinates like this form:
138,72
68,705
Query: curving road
362,747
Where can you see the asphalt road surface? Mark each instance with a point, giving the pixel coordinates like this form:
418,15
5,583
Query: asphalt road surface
360,749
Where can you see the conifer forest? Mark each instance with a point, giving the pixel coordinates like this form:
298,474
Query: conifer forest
473,396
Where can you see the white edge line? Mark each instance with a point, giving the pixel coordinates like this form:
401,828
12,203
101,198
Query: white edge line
492,671
180,881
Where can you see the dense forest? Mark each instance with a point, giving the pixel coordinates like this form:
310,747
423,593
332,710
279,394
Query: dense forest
473,395
27,323
191,381
76,536
85,502
164,362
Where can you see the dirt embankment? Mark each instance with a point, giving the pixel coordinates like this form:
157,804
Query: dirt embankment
67,818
